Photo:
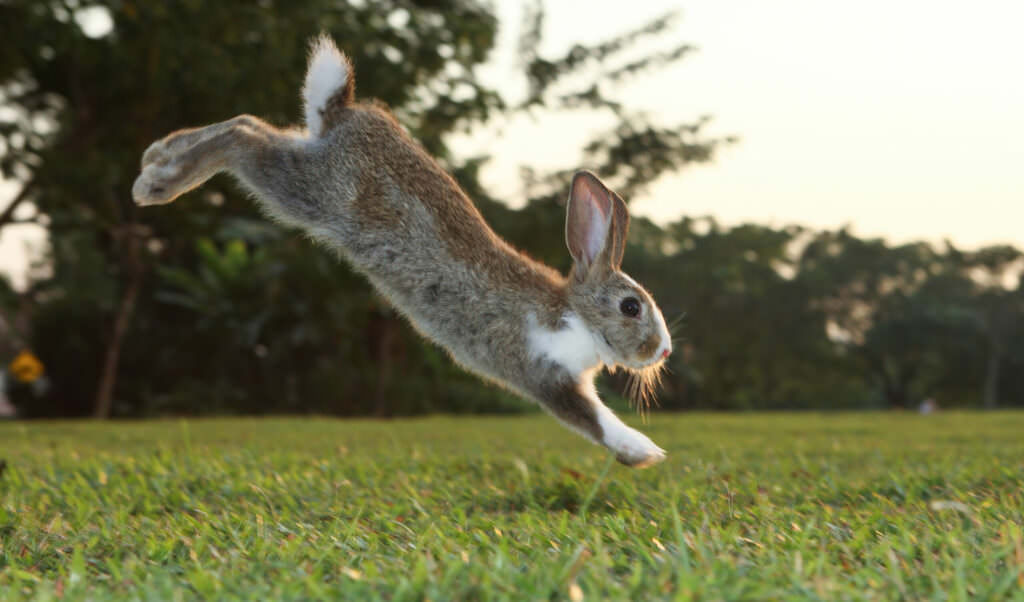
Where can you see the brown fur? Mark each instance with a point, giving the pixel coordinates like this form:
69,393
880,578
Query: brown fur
648,348
465,233
365,188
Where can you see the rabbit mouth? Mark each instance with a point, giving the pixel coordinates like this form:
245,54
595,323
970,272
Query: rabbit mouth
642,383
634,365
641,365
644,376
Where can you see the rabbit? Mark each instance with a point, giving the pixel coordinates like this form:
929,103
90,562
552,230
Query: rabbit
357,183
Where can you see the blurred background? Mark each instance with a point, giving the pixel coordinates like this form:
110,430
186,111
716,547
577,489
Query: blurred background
844,232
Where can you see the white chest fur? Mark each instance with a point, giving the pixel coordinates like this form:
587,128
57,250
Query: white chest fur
573,347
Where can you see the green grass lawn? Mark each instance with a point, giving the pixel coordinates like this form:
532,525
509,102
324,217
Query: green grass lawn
754,506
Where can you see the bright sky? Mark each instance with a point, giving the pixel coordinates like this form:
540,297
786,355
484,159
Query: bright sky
904,119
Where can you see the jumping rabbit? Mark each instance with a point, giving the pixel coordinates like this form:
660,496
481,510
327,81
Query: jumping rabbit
356,182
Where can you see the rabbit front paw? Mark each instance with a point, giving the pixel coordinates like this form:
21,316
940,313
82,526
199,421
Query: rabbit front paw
633,448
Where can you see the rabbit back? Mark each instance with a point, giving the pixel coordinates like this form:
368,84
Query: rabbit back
403,222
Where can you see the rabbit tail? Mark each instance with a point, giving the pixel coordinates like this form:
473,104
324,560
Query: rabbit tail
330,85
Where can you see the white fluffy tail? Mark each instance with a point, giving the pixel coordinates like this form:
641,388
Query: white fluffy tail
329,87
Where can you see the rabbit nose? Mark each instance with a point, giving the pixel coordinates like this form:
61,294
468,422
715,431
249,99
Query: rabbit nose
666,353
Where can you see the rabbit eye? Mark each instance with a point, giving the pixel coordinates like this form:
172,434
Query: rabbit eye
630,307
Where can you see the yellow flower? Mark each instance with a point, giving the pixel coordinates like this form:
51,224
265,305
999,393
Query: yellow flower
26,367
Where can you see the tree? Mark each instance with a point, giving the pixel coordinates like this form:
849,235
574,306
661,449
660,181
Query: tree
999,309
207,307
162,65
124,285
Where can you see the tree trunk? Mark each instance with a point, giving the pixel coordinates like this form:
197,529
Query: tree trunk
990,394
8,213
108,378
10,342
387,334
133,236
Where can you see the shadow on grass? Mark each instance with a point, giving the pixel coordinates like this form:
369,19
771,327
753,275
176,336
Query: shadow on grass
554,497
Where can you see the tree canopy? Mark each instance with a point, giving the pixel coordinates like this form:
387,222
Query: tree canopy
208,308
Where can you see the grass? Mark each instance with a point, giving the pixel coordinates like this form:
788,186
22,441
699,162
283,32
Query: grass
755,506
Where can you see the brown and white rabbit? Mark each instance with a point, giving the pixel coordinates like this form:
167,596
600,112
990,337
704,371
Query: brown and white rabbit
357,183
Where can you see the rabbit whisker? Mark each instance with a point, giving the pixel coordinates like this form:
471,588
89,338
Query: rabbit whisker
641,386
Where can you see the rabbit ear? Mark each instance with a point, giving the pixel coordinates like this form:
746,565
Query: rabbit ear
620,229
596,224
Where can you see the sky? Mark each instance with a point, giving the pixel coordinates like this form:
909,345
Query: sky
902,119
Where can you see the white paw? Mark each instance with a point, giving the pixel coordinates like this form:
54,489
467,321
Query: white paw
637,450
631,447
157,184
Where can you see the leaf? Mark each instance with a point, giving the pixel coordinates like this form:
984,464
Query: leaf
77,567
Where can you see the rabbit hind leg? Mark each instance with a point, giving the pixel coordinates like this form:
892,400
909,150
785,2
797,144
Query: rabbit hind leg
177,142
275,165
185,159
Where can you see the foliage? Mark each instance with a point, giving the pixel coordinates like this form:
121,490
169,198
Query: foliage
753,506
272,323
144,313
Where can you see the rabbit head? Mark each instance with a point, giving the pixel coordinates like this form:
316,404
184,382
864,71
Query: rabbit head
628,328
